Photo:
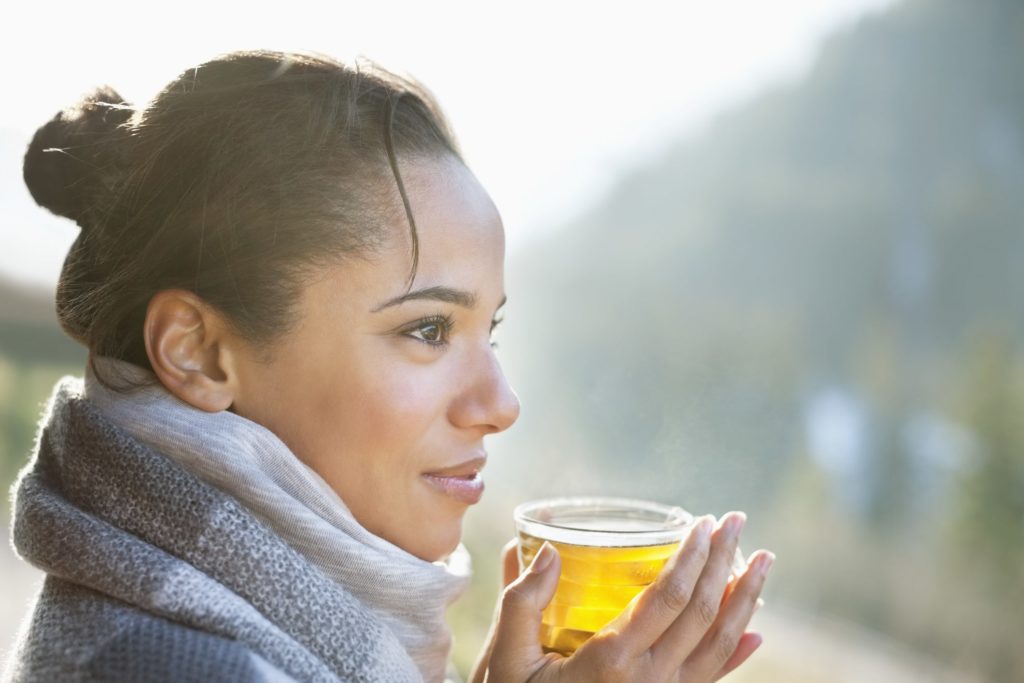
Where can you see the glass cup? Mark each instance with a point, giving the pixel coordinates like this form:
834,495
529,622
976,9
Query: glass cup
611,548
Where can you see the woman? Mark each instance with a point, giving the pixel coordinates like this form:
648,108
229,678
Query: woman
287,279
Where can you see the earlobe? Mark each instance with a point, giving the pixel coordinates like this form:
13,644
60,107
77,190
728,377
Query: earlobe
191,350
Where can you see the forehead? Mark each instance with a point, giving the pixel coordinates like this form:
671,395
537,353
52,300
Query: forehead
456,221
461,240
448,203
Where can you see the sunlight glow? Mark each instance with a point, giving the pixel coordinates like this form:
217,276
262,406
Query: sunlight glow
550,101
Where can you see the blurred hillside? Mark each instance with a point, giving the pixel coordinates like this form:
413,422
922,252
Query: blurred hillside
812,311
34,353
29,332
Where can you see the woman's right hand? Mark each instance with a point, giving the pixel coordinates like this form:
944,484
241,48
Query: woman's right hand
677,629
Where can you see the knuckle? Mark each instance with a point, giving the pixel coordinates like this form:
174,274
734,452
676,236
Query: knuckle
725,643
706,610
615,665
675,595
515,596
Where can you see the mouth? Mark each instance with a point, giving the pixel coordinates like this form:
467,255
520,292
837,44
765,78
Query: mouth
461,482
466,469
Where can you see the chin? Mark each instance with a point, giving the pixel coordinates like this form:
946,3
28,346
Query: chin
438,547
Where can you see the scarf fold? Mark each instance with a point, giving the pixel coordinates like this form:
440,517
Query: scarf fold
234,534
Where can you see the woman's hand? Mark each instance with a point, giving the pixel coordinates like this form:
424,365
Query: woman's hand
677,629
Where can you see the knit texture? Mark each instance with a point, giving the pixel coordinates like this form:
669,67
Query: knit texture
154,574
251,464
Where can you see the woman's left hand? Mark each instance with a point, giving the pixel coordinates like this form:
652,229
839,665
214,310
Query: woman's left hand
509,573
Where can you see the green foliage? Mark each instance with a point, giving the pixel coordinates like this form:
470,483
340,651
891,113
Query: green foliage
24,390
988,510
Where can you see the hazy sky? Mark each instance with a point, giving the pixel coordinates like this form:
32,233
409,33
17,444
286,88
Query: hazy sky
548,99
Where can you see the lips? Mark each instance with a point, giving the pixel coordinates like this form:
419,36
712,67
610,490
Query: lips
463,470
461,481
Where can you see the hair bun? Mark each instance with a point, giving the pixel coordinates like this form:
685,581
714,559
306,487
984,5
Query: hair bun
72,159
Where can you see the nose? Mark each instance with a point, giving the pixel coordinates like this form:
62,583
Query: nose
487,402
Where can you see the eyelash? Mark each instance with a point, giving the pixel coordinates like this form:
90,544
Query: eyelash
446,323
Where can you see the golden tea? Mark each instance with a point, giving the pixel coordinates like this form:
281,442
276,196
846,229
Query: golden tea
595,585
611,548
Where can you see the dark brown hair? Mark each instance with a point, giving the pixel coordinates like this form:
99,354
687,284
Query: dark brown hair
236,179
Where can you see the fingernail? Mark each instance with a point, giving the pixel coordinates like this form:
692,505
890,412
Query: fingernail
765,563
543,558
758,605
735,523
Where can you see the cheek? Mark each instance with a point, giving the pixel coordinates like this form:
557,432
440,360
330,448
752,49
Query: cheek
388,416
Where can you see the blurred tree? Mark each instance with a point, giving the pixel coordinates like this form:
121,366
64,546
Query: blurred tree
989,506
847,232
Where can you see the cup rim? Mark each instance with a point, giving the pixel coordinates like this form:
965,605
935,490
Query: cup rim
677,521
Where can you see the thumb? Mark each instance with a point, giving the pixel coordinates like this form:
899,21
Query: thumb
517,652
509,562
509,573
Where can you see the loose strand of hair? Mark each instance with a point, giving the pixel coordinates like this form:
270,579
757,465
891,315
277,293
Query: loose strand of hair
393,100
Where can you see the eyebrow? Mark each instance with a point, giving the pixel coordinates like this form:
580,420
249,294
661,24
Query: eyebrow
460,297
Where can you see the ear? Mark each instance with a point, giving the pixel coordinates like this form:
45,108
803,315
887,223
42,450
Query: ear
192,350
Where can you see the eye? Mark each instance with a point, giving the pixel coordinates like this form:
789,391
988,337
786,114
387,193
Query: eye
494,324
433,330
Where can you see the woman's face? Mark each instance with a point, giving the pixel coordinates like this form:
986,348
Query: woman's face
375,393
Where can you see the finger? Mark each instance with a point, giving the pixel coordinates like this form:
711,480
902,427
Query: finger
516,638
723,638
749,642
689,629
510,562
510,571
658,605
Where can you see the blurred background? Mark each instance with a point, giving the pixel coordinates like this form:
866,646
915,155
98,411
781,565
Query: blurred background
762,256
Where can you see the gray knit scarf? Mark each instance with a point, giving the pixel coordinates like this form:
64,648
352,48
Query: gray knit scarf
209,521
